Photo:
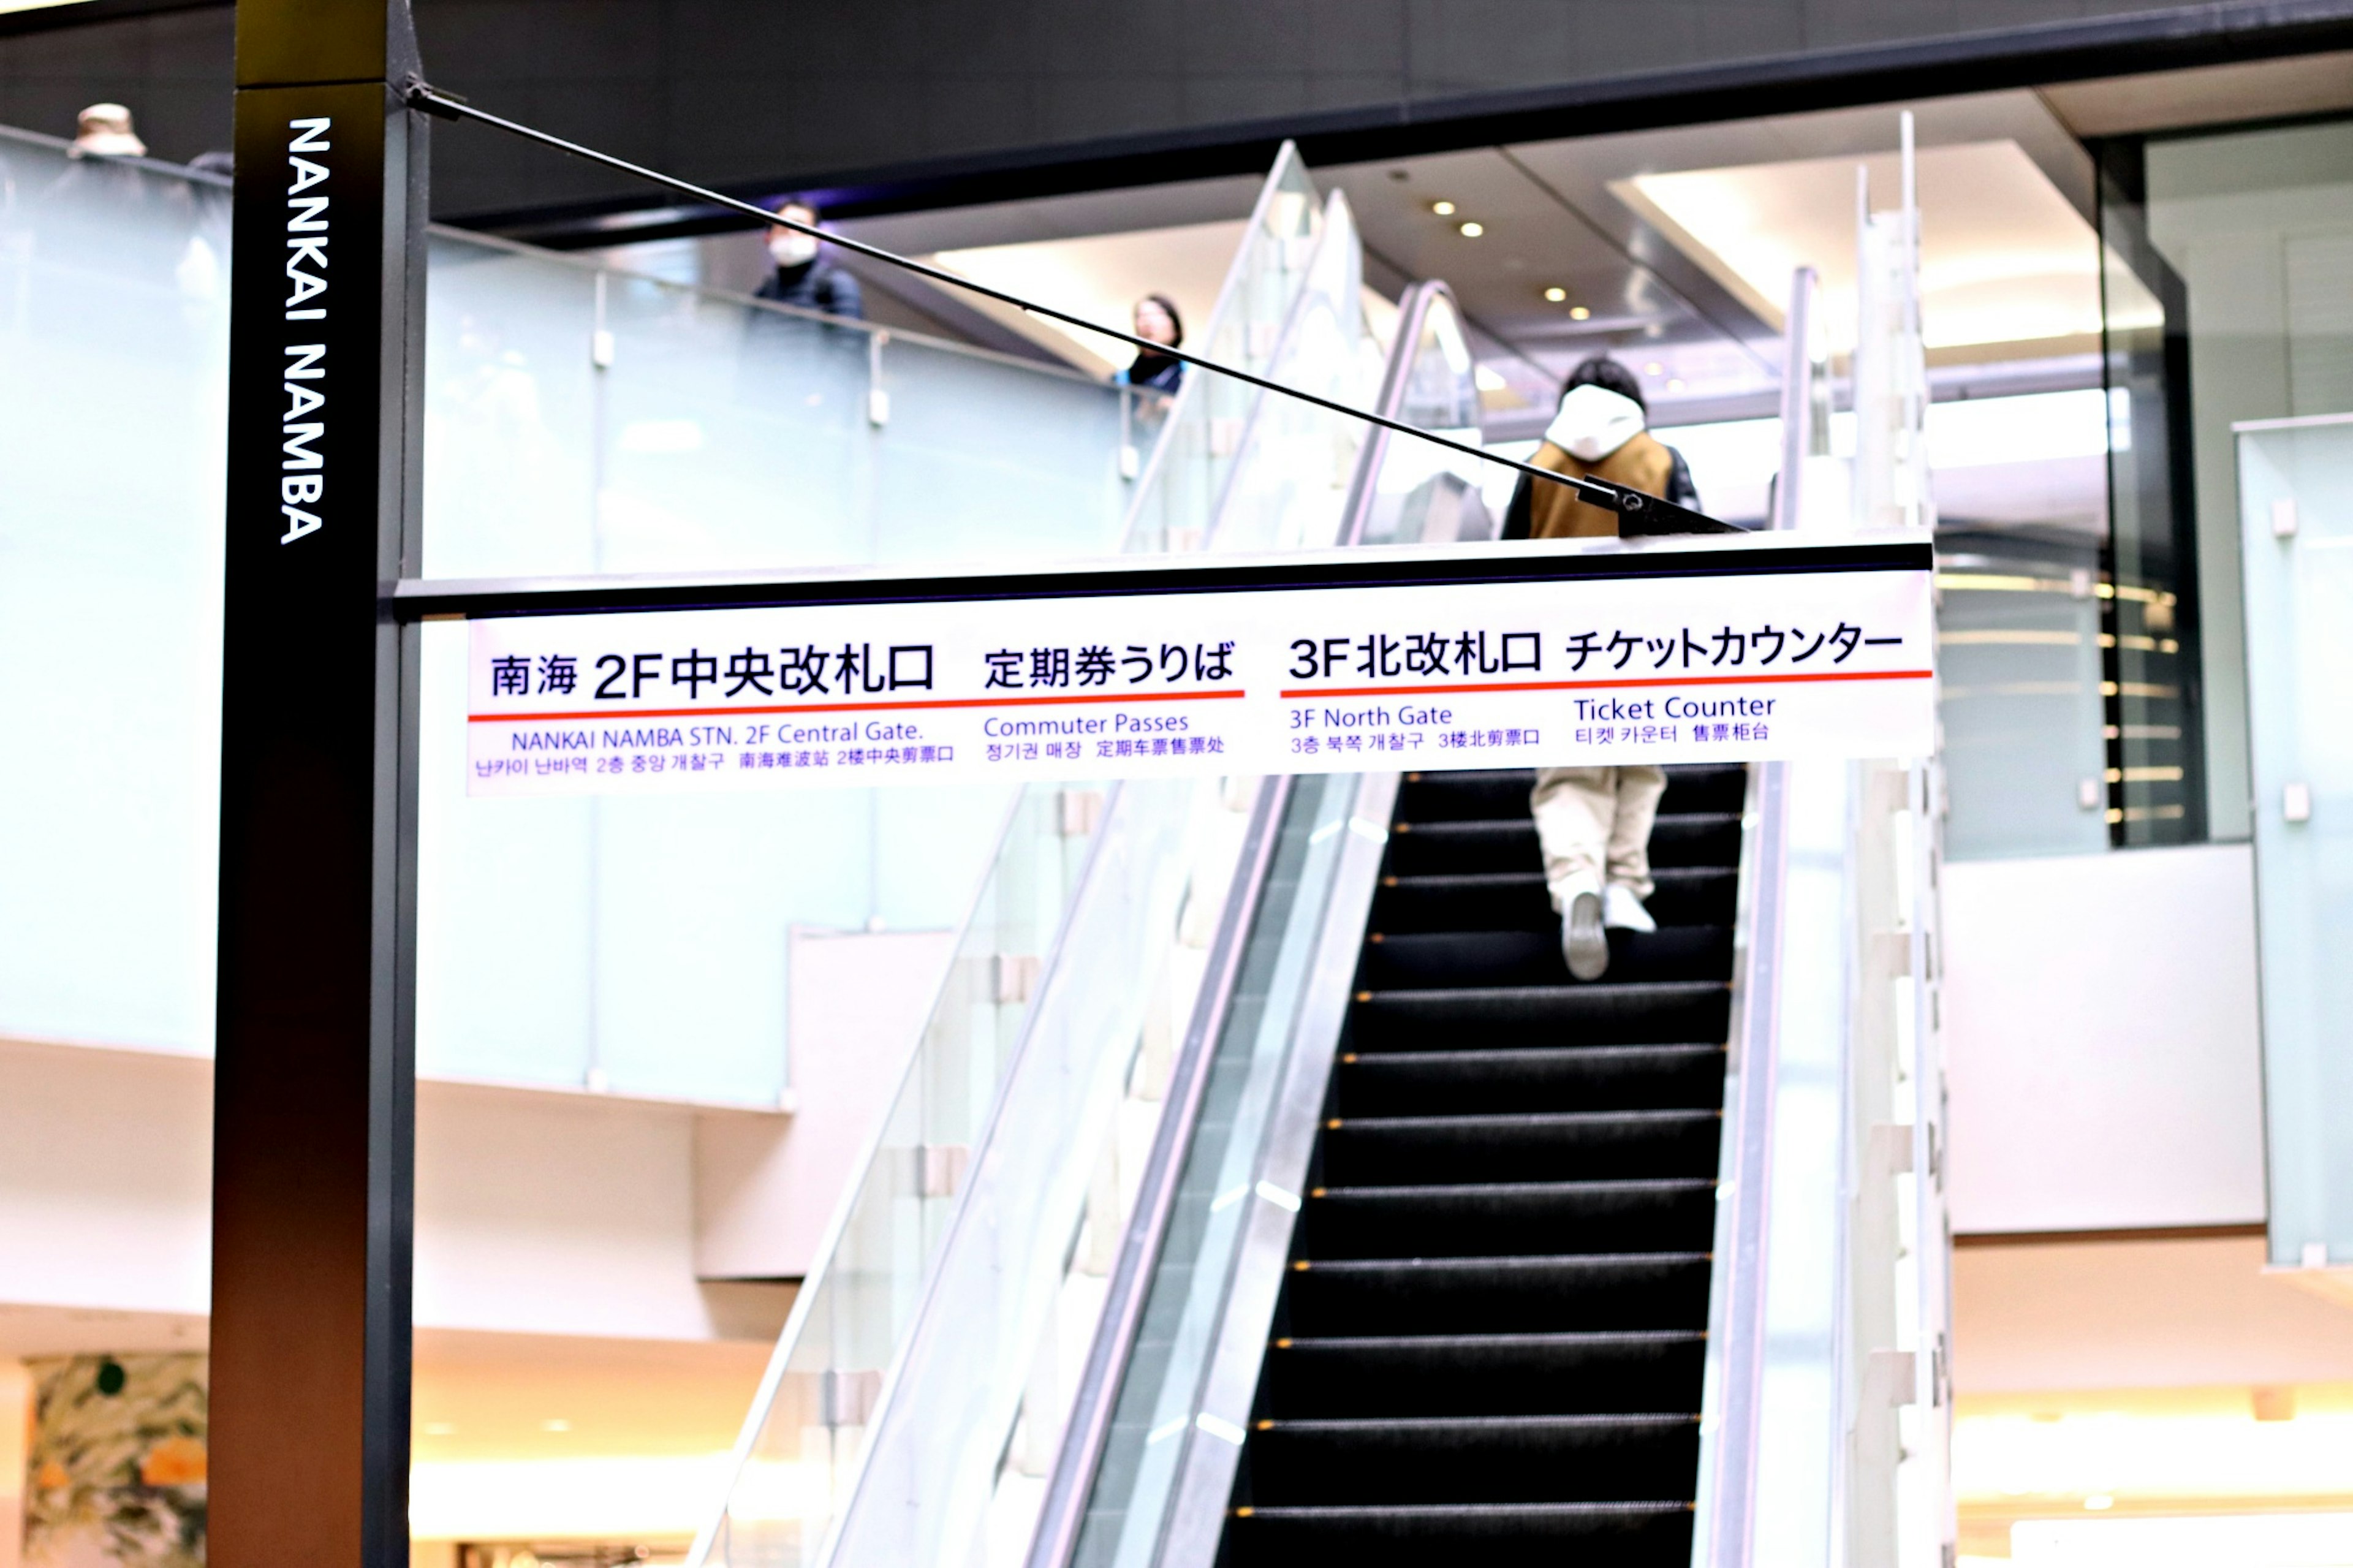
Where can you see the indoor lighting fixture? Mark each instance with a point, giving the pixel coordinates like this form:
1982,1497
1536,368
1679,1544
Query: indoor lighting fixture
1579,313
1443,209
1654,368
1556,294
1472,230
1674,383
2099,1503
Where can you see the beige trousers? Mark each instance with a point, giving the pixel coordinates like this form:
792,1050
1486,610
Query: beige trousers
1594,824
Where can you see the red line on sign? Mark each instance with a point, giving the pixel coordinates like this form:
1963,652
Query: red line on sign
1617,685
859,707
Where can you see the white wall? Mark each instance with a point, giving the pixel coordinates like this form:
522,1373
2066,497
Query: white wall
105,1180
2101,1039
537,1212
2139,1315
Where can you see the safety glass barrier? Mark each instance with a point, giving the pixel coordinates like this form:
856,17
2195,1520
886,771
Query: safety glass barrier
1202,434
1826,1414
2295,533
113,332
1287,487
825,1380
581,420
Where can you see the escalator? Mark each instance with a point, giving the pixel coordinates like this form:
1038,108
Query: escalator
1489,1335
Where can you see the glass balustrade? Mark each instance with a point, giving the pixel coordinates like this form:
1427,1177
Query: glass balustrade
1193,457
2295,528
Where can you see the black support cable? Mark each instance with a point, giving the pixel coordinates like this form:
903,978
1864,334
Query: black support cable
1651,514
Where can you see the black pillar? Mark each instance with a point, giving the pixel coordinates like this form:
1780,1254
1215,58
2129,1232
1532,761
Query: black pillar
314,1084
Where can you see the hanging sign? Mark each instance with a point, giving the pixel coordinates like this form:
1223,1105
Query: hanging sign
1497,657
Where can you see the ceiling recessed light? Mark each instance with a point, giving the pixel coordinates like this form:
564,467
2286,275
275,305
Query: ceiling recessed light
1674,383
555,1424
2099,1503
1556,295
1443,209
1654,368
1472,230
1579,313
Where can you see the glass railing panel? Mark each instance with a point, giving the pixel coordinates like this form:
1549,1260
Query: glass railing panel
2019,652
826,1381
582,420
113,332
2296,528
1202,432
1288,487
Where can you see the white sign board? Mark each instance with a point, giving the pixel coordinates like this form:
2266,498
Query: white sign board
1511,656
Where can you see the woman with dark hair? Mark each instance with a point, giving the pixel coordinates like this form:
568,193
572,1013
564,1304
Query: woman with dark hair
1156,319
1594,823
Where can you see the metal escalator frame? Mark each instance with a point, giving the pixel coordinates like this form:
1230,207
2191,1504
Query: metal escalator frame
1413,311
1724,1506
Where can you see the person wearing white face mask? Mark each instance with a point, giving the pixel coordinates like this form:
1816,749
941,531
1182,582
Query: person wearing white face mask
1594,823
803,277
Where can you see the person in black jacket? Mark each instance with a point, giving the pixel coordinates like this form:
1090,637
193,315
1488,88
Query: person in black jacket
804,277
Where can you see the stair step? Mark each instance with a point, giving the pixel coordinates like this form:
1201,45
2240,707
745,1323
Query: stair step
1438,960
1493,1219
1453,797
1516,901
1499,1375
1498,1295
1694,838
1536,1146
1500,1535
1607,1013
1481,1458
1531,1078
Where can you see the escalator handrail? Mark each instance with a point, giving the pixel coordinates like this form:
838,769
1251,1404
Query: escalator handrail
1089,1427
1413,311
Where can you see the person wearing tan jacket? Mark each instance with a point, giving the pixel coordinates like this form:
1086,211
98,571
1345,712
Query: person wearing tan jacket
1594,823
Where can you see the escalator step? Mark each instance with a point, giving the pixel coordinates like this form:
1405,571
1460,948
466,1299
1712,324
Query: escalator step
1697,838
1495,1374
1476,1458
1608,1013
1533,1078
1498,1295
1451,796
1538,1146
1501,1535
1474,958
1491,1218
1516,901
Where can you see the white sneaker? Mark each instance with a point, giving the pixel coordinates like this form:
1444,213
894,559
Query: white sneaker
1621,910
1583,943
